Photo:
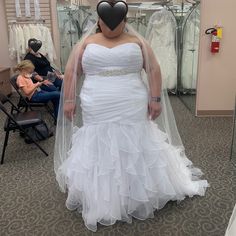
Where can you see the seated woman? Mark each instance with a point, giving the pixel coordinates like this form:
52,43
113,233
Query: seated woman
32,90
43,67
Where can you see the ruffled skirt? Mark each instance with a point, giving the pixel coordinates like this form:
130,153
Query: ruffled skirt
120,165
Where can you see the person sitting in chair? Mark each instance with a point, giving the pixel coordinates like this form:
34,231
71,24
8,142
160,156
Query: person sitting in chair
43,66
32,90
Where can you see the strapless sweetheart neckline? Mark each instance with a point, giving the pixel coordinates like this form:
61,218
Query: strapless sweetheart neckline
117,46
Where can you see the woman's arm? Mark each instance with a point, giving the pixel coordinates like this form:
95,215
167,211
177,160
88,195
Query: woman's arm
73,72
153,70
29,90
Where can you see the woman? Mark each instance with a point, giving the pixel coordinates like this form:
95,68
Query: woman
119,164
43,68
32,90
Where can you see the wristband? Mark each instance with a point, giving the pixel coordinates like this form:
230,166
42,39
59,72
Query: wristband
69,101
156,99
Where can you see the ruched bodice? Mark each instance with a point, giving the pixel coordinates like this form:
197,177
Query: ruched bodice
111,75
126,57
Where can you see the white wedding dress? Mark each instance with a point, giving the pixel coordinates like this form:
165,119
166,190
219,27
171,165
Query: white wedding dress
120,164
161,34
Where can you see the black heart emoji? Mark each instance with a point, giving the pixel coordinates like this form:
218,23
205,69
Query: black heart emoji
35,45
112,13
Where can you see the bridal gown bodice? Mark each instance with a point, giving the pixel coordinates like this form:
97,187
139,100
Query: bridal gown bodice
111,74
98,58
120,165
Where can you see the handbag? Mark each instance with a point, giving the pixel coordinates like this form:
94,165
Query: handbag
38,133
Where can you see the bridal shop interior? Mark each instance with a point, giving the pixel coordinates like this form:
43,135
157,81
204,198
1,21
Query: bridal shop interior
194,43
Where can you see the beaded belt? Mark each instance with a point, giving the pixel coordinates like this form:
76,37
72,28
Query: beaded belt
117,72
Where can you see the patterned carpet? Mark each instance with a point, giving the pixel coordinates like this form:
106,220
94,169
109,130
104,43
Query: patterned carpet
31,203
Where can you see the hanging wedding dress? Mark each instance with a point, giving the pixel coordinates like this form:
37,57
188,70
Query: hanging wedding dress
19,36
120,164
191,38
161,33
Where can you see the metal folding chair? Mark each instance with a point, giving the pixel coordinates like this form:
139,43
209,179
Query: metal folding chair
25,103
17,120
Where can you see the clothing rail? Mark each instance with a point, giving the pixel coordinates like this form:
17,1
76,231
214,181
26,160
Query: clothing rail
27,21
193,1
154,6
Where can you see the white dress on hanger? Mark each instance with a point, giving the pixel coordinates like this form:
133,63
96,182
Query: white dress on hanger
161,33
21,41
50,45
27,35
69,37
18,42
190,50
120,164
12,46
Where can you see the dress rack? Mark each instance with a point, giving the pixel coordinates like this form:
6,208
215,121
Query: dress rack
27,21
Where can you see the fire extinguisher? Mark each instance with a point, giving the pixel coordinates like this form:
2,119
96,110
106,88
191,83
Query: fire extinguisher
216,35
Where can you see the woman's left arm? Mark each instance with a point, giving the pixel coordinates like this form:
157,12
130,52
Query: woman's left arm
153,71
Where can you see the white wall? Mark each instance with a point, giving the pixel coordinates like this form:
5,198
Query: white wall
217,73
4,58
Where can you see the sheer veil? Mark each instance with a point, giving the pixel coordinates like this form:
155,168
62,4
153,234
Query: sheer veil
70,96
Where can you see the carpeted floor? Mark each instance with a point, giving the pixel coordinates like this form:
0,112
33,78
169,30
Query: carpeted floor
31,203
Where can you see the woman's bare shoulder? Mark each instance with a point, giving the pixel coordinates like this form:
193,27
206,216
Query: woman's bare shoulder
133,39
91,39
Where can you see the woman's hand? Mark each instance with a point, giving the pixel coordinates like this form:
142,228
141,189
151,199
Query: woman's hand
154,109
59,75
69,110
47,82
37,77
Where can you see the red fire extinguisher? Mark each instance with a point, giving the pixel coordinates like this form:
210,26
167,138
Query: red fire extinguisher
216,35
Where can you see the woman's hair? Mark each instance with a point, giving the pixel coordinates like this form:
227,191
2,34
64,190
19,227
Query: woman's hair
26,64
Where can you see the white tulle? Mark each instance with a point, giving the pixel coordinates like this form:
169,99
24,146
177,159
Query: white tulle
231,229
120,164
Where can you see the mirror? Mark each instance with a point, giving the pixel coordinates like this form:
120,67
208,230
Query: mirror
188,57
233,146
73,20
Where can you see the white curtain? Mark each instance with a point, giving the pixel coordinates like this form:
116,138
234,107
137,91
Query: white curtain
37,9
27,8
18,9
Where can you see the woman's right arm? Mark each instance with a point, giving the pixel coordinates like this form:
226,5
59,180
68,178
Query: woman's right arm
73,72
26,89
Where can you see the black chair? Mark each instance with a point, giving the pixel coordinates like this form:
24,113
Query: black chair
24,101
19,121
